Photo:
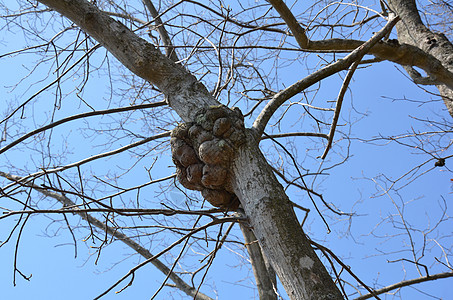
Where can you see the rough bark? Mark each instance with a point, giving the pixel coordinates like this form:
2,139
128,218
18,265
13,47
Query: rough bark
412,31
275,225
270,212
183,91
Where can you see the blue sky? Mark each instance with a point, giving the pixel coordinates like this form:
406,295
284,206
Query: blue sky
50,259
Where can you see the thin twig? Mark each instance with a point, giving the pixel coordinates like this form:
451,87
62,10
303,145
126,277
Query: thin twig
180,283
406,283
91,158
281,97
80,116
340,98
177,242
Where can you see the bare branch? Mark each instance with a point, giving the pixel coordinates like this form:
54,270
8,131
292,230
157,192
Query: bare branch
80,116
177,242
406,283
264,275
180,284
92,158
147,62
289,134
336,116
166,40
281,97
294,26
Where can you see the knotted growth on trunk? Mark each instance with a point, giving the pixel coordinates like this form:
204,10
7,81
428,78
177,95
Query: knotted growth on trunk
203,151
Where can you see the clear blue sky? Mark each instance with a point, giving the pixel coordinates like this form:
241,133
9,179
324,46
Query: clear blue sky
56,274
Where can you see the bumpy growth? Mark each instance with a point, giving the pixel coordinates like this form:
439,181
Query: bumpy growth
203,151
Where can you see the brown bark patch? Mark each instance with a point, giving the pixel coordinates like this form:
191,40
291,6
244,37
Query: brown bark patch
203,151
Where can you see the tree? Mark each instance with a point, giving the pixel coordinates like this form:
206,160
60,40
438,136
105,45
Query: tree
198,60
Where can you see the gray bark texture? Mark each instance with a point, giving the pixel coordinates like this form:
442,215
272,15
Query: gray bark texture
270,212
412,31
275,225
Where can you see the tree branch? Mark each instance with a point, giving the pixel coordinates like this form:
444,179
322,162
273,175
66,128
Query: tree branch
388,51
289,134
179,282
268,111
91,158
340,98
406,283
139,56
265,281
412,31
290,20
169,48
80,116
131,272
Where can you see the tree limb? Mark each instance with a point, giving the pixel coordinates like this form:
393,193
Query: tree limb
264,275
336,115
397,53
406,283
268,111
139,56
290,20
412,31
91,158
169,48
179,282
80,116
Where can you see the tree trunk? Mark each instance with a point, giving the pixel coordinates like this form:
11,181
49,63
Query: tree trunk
268,208
412,31
264,273
275,224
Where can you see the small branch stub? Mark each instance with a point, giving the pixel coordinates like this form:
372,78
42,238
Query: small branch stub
203,151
